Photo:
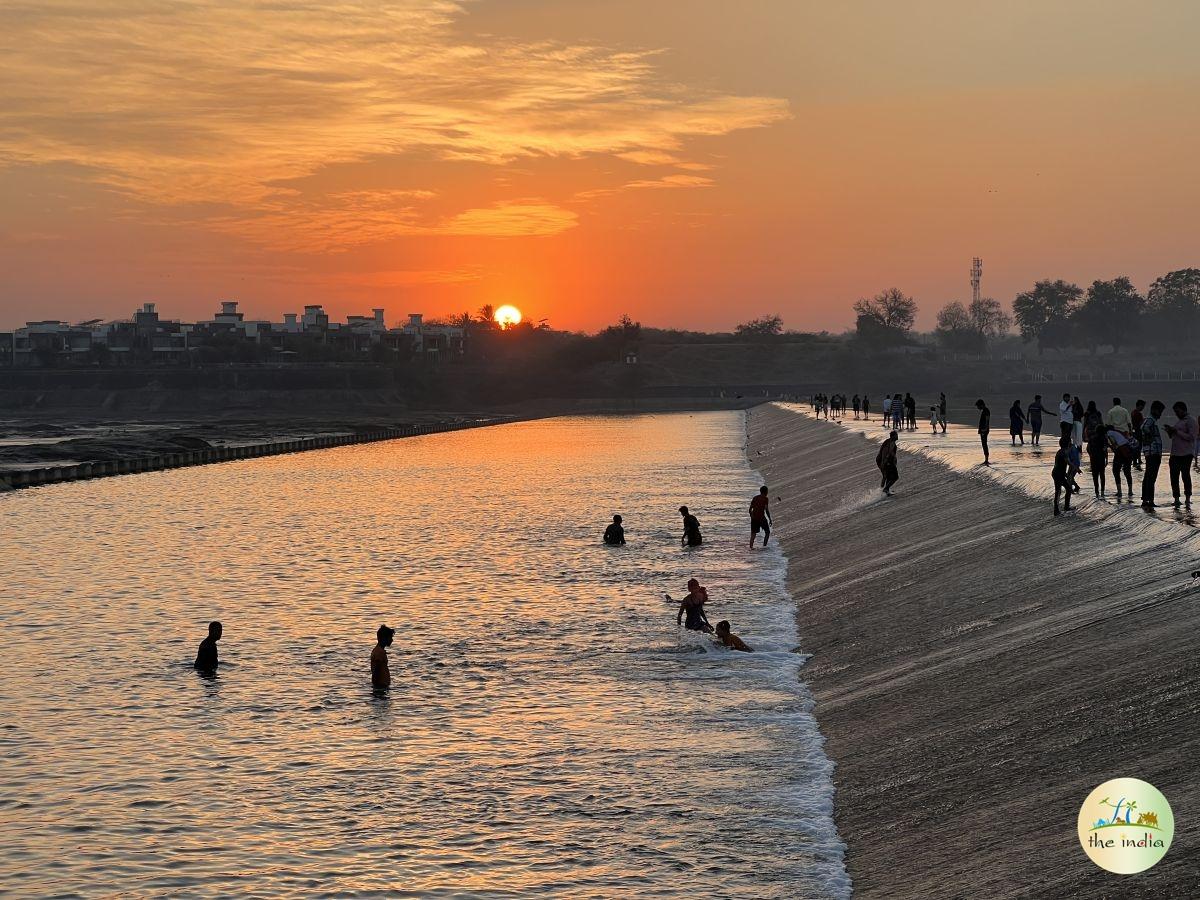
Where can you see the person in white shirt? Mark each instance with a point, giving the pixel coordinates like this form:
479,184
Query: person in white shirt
1066,416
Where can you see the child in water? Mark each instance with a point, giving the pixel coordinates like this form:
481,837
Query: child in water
731,640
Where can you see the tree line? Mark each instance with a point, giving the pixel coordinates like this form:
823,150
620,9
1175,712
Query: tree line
1053,314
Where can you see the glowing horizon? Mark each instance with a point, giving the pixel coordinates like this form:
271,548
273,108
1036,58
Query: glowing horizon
691,164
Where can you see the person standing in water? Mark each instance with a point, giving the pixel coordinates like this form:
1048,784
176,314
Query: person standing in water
1152,448
691,529
381,676
1066,416
866,408
1016,423
942,410
614,534
760,517
1183,448
1097,451
985,425
731,640
692,606
886,460
206,655
1035,420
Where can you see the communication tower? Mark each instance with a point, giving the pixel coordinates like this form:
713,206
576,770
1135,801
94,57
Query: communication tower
976,277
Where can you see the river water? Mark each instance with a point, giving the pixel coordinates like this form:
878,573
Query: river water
548,730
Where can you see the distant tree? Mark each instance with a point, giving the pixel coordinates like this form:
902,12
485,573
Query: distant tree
988,318
1044,313
1174,301
892,309
885,318
956,330
762,327
486,317
1110,314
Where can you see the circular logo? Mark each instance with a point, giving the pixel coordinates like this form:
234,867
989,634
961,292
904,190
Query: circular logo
1126,825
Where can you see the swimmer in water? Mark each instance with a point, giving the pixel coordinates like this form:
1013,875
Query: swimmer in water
206,656
731,640
614,534
691,529
693,606
381,677
760,517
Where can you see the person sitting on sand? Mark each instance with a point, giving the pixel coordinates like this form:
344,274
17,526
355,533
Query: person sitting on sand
381,677
614,534
693,606
760,517
731,640
206,656
691,529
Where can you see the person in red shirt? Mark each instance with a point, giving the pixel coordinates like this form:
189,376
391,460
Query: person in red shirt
760,517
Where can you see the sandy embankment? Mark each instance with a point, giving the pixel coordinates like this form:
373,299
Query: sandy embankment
979,667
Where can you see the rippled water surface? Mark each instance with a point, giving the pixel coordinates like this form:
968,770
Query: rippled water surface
548,728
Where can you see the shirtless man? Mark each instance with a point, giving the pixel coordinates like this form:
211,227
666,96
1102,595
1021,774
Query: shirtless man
731,640
206,656
381,677
760,517
693,606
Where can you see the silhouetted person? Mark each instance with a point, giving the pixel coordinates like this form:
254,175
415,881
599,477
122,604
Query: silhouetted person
691,529
942,410
1122,458
206,655
614,534
1183,448
1035,420
760,517
1016,423
1092,420
1066,416
886,460
1136,418
1077,414
857,402
910,410
731,640
1097,451
692,606
381,677
1060,473
866,408
1151,439
985,425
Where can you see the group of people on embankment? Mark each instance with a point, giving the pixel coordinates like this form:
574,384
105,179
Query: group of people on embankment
895,412
1116,440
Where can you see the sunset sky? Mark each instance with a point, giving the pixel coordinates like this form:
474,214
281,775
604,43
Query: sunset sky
690,162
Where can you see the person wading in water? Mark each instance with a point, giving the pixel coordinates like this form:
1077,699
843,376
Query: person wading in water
692,606
691,529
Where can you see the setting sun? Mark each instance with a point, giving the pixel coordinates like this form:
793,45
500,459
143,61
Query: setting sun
508,316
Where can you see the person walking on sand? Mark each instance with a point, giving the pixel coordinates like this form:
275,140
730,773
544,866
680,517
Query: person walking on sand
910,409
1016,423
760,517
614,534
887,410
731,640
1136,418
691,529
886,460
866,408
1035,420
1097,451
985,425
1092,420
1183,448
933,418
206,655
692,606
1062,484
381,676
857,401
942,410
1152,448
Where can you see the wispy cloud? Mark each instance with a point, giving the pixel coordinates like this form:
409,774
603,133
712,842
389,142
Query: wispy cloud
217,103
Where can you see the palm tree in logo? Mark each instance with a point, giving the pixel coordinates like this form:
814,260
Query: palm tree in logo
1116,807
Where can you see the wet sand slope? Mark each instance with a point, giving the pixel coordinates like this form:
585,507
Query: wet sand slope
979,667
